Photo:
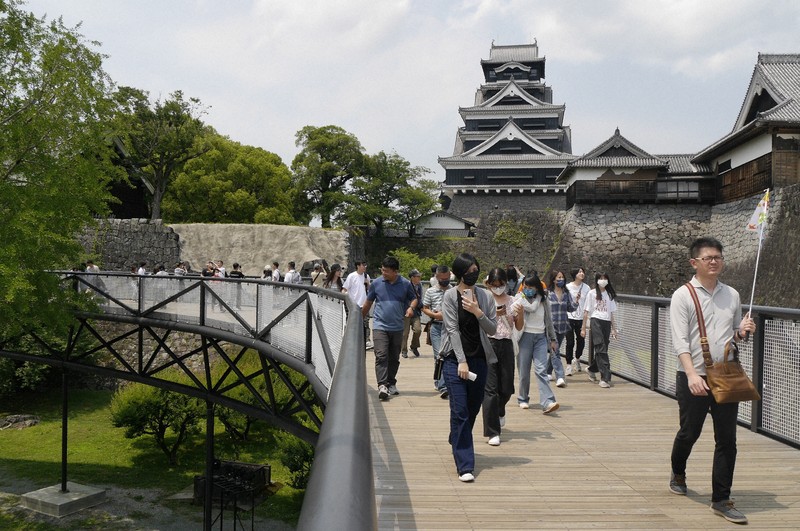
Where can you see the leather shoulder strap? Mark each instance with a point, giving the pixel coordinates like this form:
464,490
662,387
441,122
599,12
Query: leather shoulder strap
701,323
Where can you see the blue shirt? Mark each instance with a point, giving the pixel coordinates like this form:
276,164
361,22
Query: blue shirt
390,303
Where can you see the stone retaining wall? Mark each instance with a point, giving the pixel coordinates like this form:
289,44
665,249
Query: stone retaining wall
118,244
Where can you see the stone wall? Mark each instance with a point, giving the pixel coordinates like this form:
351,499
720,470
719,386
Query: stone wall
471,206
118,244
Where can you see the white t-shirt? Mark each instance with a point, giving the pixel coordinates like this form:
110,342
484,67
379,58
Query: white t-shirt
292,277
354,284
600,309
276,275
584,290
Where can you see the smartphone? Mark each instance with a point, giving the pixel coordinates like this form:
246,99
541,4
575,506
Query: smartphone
467,294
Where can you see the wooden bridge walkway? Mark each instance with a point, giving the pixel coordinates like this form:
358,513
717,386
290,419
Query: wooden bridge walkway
600,462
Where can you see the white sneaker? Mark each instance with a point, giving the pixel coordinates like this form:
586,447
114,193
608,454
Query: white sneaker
466,477
494,441
393,390
561,383
523,405
604,384
552,407
568,370
502,421
383,392
592,376
576,365
551,378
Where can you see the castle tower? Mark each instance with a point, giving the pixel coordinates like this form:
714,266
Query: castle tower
513,144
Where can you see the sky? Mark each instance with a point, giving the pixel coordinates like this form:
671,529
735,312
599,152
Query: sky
671,75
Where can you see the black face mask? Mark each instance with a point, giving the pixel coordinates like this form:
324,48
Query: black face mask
470,278
444,283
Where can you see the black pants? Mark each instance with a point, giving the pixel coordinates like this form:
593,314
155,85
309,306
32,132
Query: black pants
692,413
574,340
499,386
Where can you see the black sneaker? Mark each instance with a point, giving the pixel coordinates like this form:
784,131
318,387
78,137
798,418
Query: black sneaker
404,354
443,394
416,352
726,510
383,392
677,484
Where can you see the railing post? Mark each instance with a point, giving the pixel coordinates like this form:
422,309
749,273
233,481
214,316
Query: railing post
208,501
654,337
64,430
758,372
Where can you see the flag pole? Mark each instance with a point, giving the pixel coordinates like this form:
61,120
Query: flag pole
758,257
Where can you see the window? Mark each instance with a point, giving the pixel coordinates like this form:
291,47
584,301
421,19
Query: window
678,190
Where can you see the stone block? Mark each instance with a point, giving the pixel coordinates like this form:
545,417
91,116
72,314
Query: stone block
52,501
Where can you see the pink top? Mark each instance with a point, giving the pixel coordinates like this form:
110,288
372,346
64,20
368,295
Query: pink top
505,323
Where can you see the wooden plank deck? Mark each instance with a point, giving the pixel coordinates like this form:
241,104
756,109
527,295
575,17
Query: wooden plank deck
600,462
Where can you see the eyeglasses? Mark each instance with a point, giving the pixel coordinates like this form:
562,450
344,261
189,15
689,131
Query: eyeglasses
708,259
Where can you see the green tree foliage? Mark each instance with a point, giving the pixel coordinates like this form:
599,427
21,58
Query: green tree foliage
415,201
54,167
410,260
231,183
146,410
297,456
157,138
375,197
329,158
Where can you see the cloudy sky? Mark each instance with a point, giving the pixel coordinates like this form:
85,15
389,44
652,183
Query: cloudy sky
670,74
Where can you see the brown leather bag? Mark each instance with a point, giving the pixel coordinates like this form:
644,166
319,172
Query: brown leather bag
726,378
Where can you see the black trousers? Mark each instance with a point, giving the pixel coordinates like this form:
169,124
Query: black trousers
692,412
574,340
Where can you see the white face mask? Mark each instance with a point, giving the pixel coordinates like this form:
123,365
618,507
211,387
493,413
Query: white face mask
602,282
499,290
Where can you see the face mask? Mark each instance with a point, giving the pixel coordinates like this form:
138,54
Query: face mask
602,282
528,292
444,283
560,283
499,290
470,279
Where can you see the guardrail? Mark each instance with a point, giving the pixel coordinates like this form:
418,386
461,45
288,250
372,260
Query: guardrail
643,354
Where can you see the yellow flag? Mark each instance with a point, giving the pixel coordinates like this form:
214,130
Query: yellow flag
760,215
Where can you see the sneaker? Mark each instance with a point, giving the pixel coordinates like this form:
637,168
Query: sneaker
393,390
552,407
604,384
592,376
466,477
561,383
576,365
494,441
383,392
444,394
677,484
369,345
416,352
726,510
502,421
551,378
568,369
404,354
523,405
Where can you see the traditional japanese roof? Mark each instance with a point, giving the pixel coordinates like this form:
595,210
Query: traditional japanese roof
443,214
510,131
521,53
682,165
772,98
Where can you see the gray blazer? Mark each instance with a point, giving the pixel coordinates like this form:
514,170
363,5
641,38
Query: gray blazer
451,339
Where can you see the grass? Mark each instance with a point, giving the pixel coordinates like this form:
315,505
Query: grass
99,453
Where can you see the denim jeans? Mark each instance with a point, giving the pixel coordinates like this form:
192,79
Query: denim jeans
692,411
466,398
436,343
554,363
533,350
387,355
499,386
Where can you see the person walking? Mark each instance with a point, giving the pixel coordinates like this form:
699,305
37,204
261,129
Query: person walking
560,306
500,376
394,299
412,324
721,307
469,319
334,279
432,307
356,285
292,276
318,275
537,336
598,322
578,290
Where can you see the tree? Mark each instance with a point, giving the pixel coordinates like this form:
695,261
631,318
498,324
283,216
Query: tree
384,195
157,138
54,164
145,410
329,158
416,201
231,183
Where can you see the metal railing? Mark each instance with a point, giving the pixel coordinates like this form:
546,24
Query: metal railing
316,331
643,354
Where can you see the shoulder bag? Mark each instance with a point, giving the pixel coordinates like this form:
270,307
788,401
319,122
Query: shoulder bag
726,378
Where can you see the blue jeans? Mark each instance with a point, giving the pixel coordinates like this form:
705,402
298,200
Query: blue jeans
436,343
533,349
466,398
554,363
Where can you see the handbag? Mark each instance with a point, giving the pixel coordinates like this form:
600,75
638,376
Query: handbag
726,379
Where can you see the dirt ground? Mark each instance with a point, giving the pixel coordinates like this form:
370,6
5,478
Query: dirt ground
124,509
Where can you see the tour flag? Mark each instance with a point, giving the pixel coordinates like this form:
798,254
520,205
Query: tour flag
760,215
